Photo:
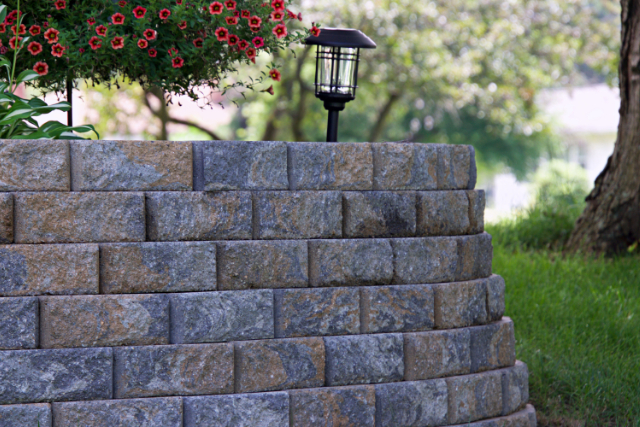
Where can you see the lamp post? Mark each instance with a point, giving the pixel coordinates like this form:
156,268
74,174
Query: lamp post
337,58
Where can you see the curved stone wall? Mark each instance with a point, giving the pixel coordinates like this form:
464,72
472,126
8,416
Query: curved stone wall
250,284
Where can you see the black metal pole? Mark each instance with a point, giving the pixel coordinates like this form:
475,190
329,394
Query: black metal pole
332,126
70,101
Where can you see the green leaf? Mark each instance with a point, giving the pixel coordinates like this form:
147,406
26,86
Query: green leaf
3,13
26,76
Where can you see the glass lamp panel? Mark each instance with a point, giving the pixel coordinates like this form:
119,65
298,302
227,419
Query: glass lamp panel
325,69
345,72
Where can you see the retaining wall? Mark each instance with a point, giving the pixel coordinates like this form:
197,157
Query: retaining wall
250,284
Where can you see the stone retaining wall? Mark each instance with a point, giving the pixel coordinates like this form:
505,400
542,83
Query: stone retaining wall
235,284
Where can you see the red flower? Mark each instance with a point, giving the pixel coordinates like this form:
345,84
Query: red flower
236,13
222,34
23,29
291,15
57,50
81,50
280,31
91,21
198,42
254,21
149,34
232,39
117,18
45,24
243,44
173,51
41,68
153,53
122,3
255,29
3,28
276,15
177,62
60,4
277,5
245,14
251,53
139,12
215,8
95,43
117,42
269,91
230,4
275,75
315,31
101,30
258,42
34,48
182,25
179,2
164,14
143,44
231,20
12,41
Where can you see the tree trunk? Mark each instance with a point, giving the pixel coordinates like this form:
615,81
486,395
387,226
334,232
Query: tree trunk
384,112
611,220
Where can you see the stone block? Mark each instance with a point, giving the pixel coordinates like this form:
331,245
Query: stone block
198,216
131,166
495,297
350,262
240,410
475,255
397,308
101,320
337,407
55,375
436,354
48,269
316,312
260,264
493,346
165,412
379,214
524,418
221,316
531,414
34,165
405,166
297,215
36,414
18,323
279,364
364,359
6,218
456,167
79,217
240,165
424,260
477,203
173,370
442,213
330,166
460,304
474,397
409,404
157,267
515,388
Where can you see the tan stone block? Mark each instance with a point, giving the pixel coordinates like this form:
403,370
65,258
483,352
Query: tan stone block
407,308
493,346
34,165
6,218
477,204
337,407
474,397
460,304
437,354
405,166
442,213
456,167
475,255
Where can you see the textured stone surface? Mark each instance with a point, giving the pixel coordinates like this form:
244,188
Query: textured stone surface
297,215
493,346
424,260
37,414
165,412
337,407
242,410
18,323
474,397
456,167
364,359
405,166
34,165
437,354
350,262
157,267
96,321
475,255
397,309
379,214
240,165
442,213
495,297
409,404
79,217
173,370
198,215
48,269
315,312
131,165
6,218
279,364
460,304
47,375
477,203
277,264
515,388
524,418
221,316
333,166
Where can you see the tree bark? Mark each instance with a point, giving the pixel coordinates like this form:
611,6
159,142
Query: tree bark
383,114
611,220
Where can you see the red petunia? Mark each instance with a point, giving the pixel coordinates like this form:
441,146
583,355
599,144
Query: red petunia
164,14
41,68
231,20
3,28
12,41
251,53
315,31
254,21
60,4
143,44
198,42
243,44
173,51
153,53
81,50
101,30
117,42
277,5
23,29
291,15
222,34
215,8
183,25
139,12
230,4
91,21
57,50
35,30
122,3
177,62
280,31
34,48
45,24
117,18
236,13
95,43
232,39
51,35
258,42
149,34
269,91
179,2
275,75
255,29
276,15
245,14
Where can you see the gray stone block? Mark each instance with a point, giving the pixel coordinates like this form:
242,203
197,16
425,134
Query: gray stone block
475,255
263,264
531,414
297,215
198,216
364,359
424,260
131,166
165,412
437,354
456,167
474,397
493,346
330,166
379,214
495,297
34,165
460,304
443,213
316,312
409,404
350,262
79,217
405,166
241,410
477,203
55,375
337,406
240,165
157,267
18,323
37,414
221,316
6,218
397,308
524,418
515,388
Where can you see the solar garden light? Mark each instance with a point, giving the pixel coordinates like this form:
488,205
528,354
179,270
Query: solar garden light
337,58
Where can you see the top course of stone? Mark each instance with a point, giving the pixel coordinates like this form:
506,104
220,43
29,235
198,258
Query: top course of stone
46,165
